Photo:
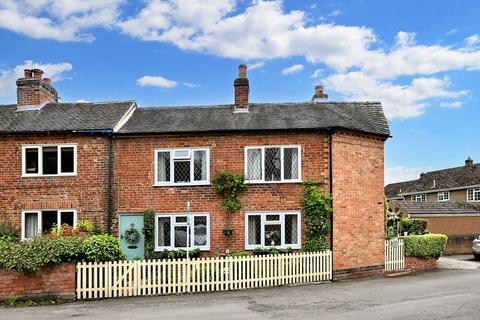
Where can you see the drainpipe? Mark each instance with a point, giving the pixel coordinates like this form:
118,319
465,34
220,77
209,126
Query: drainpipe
110,184
330,132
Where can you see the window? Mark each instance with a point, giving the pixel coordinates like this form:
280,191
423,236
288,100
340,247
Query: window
473,195
182,166
444,196
35,222
274,229
419,197
273,164
49,160
171,232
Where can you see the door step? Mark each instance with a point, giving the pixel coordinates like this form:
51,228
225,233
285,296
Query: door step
400,273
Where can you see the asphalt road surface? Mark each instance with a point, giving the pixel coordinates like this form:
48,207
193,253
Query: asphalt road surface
443,294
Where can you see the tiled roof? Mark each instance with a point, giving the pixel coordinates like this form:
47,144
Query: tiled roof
63,117
394,190
436,207
365,117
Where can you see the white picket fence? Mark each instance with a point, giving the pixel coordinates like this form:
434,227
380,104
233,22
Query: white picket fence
394,255
156,277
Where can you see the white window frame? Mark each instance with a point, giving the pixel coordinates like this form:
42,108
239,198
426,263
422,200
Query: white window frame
474,191
441,196
423,197
282,147
263,222
173,224
172,171
39,148
39,218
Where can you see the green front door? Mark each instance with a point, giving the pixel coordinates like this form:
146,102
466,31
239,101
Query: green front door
131,235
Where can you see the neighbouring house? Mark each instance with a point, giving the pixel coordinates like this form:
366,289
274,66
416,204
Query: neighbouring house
109,162
448,199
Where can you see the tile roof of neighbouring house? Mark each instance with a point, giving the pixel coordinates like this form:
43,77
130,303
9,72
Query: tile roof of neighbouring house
446,179
436,208
63,117
365,117
394,190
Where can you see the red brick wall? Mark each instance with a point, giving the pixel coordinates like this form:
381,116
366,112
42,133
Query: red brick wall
134,166
86,192
416,264
51,281
358,229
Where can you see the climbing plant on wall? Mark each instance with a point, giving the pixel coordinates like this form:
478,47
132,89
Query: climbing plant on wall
149,232
229,186
317,208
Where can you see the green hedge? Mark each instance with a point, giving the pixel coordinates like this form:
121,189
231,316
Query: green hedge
425,246
48,250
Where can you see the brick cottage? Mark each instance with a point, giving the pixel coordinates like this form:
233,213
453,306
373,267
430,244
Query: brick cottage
109,162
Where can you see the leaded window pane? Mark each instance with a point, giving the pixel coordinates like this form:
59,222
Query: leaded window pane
67,162
254,164
290,163
273,235
180,236
291,228
164,231
31,161
272,164
181,171
200,165
200,231
163,166
50,160
254,230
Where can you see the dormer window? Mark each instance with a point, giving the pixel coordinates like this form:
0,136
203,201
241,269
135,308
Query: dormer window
419,198
443,196
49,160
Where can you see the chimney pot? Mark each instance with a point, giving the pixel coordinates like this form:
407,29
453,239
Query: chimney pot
241,86
27,73
37,73
48,80
469,162
319,95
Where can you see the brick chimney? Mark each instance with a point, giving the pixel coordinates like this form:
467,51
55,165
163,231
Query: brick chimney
33,92
241,89
469,162
319,95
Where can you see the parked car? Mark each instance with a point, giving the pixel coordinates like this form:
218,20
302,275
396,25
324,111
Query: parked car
476,248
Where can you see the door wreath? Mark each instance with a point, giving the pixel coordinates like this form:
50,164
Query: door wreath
132,235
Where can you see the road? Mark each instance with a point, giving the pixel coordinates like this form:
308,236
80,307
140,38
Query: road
442,294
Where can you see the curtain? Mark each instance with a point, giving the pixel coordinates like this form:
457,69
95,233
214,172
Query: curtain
163,166
254,164
31,224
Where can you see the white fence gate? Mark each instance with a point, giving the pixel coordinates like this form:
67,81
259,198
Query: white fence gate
154,277
394,255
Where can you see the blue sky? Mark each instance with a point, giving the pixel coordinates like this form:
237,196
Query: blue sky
420,58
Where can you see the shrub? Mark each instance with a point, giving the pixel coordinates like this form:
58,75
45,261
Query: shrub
102,248
8,231
267,251
316,207
85,226
425,246
413,226
241,254
40,251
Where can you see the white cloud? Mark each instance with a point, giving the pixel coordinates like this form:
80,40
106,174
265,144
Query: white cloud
402,173
452,105
473,40
256,65
156,81
296,68
63,20
331,14
450,32
190,85
317,73
54,71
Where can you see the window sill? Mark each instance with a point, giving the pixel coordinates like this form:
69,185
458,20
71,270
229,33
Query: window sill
181,184
160,249
273,182
293,247
48,175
